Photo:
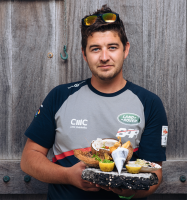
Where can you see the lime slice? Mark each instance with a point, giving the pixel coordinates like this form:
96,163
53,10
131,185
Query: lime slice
133,168
106,167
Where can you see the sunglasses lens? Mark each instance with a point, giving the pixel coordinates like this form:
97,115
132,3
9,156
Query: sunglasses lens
90,20
109,17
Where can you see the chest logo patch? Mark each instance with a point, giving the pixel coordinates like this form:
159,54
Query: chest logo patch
129,118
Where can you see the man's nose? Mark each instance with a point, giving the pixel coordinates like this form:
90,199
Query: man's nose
104,56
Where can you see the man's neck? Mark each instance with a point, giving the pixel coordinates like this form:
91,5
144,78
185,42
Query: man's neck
108,86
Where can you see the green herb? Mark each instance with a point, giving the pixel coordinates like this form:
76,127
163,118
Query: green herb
99,159
107,161
96,157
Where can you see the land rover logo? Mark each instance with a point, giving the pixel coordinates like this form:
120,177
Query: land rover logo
128,118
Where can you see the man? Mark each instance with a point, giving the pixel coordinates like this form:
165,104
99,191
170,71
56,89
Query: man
107,105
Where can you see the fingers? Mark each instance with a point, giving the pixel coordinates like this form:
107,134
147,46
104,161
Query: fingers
103,187
116,190
93,189
90,187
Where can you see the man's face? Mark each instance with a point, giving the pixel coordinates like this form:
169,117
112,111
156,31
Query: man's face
105,55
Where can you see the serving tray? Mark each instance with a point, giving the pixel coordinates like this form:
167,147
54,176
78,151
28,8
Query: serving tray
140,181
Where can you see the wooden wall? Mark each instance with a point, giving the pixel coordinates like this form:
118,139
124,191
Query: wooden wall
30,29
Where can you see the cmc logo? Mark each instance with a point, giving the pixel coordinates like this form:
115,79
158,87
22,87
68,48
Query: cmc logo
79,122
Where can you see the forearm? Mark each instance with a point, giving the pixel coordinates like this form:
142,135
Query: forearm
40,167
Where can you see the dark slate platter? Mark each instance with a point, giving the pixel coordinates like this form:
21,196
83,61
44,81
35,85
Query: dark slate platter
141,181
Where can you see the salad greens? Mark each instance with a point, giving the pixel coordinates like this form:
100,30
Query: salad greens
100,160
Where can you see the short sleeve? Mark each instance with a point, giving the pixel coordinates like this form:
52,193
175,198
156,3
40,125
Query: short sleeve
42,128
150,147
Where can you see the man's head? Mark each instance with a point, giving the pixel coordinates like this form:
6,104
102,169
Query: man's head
104,45
101,26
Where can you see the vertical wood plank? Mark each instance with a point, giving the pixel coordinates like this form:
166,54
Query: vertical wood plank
164,60
33,30
132,15
5,79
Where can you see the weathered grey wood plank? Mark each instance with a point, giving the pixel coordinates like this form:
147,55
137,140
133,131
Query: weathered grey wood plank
167,197
171,184
34,74
23,196
164,61
172,170
131,13
44,197
17,185
5,79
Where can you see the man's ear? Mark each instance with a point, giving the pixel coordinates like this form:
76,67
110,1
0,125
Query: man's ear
127,47
83,54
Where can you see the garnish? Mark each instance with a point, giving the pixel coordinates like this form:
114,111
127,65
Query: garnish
100,160
96,157
107,161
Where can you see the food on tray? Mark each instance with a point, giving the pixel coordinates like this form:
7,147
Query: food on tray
119,156
101,146
133,168
86,157
106,167
104,149
146,166
126,145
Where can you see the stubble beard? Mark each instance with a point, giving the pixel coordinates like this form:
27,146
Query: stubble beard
108,77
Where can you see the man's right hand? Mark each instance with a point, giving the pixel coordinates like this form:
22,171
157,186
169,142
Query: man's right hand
74,178
34,162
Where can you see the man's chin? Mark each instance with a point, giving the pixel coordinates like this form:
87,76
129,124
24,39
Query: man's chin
106,78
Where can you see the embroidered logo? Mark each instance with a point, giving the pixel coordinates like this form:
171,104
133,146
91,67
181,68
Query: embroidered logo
130,133
129,118
76,85
164,136
38,111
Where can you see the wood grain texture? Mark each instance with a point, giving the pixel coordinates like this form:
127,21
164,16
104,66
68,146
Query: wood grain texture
167,197
172,170
23,196
5,79
17,185
34,74
164,61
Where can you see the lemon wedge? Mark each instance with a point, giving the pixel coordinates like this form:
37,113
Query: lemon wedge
133,168
106,167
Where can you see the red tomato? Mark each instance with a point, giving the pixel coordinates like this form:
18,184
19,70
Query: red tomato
106,147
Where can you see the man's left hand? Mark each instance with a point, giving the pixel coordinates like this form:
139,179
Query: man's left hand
120,192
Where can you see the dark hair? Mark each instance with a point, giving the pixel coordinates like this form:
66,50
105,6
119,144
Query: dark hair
101,26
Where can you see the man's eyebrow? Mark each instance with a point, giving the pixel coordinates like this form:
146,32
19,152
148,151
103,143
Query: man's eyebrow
94,45
114,44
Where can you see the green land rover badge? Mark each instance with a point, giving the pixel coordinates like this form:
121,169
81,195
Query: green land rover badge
128,118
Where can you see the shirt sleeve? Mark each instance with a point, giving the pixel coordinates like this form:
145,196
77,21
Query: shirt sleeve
150,147
42,128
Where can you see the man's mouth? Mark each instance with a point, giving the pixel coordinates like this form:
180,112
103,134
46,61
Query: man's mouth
105,66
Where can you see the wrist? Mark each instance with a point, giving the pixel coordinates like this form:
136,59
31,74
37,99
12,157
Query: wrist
64,175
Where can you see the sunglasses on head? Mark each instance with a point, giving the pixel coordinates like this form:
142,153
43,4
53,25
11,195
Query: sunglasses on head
106,17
